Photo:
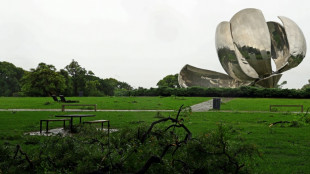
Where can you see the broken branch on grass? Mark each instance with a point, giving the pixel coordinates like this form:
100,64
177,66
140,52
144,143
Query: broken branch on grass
159,121
177,124
18,149
272,124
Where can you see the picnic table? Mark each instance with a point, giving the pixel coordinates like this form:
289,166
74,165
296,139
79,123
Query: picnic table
75,116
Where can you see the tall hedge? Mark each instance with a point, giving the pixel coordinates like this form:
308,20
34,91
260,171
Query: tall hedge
222,92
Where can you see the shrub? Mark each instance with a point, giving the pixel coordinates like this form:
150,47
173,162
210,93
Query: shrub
166,146
244,91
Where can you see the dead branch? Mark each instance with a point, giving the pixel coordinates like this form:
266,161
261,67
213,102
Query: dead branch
159,121
18,149
184,164
272,124
189,134
177,124
153,159
305,114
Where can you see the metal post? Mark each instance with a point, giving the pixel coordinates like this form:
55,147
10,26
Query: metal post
71,123
40,126
46,126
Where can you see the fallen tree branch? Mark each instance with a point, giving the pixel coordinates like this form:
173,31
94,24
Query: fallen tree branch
159,121
177,144
305,114
18,149
153,159
272,124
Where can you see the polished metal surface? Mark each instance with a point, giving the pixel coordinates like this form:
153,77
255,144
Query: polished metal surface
269,82
296,41
191,76
279,45
245,47
251,36
230,57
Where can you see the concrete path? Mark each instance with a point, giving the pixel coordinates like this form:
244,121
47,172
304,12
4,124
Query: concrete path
202,107
84,110
198,109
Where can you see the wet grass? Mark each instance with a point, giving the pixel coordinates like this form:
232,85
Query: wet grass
284,148
262,104
117,103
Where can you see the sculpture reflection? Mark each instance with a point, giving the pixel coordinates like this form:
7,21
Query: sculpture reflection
245,47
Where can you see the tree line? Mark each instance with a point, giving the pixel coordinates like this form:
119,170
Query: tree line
74,80
45,80
244,91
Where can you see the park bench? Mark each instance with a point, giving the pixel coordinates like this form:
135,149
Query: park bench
63,106
301,106
48,120
99,121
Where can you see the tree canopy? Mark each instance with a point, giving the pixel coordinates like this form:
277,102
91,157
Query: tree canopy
43,81
169,81
10,77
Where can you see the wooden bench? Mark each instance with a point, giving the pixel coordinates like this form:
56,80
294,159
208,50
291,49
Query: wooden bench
48,120
99,121
301,106
63,106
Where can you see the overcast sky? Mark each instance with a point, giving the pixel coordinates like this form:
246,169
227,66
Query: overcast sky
135,41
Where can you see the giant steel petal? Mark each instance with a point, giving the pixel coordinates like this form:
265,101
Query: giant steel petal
191,76
296,42
227,55
270,81
279,45
251,36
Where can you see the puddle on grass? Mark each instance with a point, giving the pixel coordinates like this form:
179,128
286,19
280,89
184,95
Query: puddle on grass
61,131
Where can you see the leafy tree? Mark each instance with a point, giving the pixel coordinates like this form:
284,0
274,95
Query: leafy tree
43,81
280,86
108,86
169,81
83,80
124,85
68,81
10,77
78,75
91,88
306,85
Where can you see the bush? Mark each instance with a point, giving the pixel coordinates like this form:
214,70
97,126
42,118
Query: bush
244,91
166,146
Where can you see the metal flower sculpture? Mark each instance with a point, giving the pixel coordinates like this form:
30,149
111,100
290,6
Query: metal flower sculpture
245,47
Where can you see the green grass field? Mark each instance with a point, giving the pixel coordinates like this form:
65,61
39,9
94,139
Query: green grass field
262,104
284,148
117,103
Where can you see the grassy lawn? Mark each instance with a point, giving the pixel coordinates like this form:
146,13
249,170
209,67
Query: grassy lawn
262,104
122,103
284,149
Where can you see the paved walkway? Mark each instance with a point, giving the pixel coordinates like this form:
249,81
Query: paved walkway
80,110
202,107
84,110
